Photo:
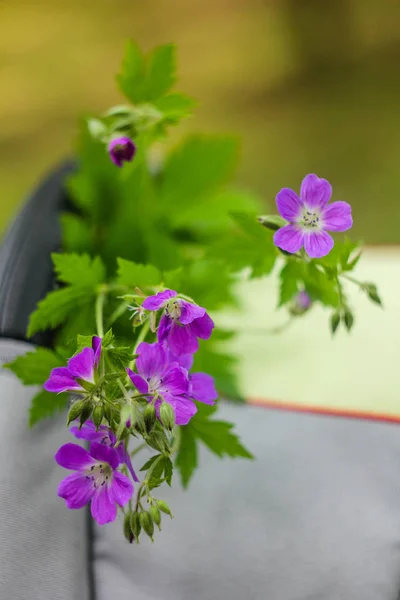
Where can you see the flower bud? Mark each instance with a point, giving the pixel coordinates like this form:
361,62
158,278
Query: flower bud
127,529
149,415
85,414
76,410
98,414
335,320
121,149
155,515
167,415
300,303
135,525
272,222
348,319
163,506
147,523
128,415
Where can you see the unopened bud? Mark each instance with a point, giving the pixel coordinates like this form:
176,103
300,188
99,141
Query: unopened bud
85,414
272,222
155,515
335,320
167,415
149,416
147,523
127,529
98,414
128,415
348,319
135,525
163,506
76,410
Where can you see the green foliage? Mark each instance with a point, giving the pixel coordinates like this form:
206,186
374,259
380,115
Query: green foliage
34,367
217,436
133,275
84,274
45,404
246,246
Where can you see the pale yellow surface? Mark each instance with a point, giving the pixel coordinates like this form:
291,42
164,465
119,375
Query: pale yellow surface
304,365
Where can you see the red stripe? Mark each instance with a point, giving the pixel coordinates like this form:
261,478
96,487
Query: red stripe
320,410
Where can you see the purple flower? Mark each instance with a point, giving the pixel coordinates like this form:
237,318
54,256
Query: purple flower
201,385
104,435
158,377
121,150
182,322
96,480
81,366
310,218
301,302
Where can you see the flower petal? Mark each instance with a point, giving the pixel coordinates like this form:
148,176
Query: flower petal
181,339
140,384
289,238
203,388
190,312
128,463
88,432
103,508
175,381
318,244
202,327
61,380
164,327
76,490
315,192
156,302
82,365
184,408
74,457
121,488
289,204
103,453
152,359
96,346
337,216
184,360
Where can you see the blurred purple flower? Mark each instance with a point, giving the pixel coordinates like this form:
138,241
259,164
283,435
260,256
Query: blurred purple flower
310,217
182,322
81,366
121,150
96,480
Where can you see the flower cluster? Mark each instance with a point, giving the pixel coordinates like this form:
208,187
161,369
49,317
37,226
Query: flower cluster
164,386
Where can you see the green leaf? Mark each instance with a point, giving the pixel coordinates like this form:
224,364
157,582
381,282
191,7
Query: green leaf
248,246
161,71
46,404
58,306
222,366
197,167
289,276
320,285
175,107
34,367
76,233
148,463
186,460
79,269
133,275
131,79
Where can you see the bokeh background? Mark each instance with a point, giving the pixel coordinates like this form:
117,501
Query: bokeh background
308,85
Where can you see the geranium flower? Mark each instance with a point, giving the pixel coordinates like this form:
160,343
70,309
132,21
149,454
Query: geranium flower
81,366
182,322
157,377
310,218
96,480
201,385
104,435
121,150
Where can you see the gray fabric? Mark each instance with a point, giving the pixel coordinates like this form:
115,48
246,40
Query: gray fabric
42,545
315,517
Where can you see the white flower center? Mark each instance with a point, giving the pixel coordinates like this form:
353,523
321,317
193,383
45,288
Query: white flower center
310,219
173,309
100,474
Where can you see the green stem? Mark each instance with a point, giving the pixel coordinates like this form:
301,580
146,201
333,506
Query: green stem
99,312
352,279
118,312
141,337
138,449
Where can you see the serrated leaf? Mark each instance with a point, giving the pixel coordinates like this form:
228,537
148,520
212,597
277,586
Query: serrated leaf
289,276
58,306
149,462
76,233
175,107
218,437
34,367
161,71
131,79
46,404
133,275
79,269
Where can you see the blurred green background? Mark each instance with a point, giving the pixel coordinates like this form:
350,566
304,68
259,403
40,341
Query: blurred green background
309,86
